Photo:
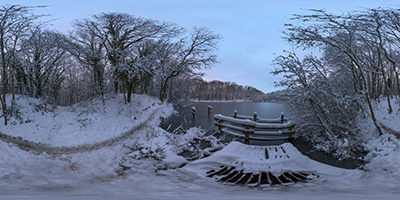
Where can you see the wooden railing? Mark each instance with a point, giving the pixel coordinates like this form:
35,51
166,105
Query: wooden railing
255,128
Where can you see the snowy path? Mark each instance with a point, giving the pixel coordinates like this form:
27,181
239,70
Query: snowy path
51,150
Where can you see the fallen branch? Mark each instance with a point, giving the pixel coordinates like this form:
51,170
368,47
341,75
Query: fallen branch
389,130
383,126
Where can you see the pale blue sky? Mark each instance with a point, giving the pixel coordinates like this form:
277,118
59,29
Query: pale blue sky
251,29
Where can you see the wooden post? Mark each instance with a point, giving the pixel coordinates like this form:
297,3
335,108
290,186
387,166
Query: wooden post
246,134
246,138
209,110
194,112
246,128
291,134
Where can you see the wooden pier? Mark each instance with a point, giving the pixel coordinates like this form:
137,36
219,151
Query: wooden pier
254,127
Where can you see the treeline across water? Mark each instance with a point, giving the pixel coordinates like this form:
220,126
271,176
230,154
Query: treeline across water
225,91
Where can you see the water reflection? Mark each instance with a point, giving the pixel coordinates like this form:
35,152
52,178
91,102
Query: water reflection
185,119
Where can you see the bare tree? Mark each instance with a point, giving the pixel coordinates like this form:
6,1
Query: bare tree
184,57
138,66
43,55
390,19
120,32
320,100
14,22
89,51
341,33
357,64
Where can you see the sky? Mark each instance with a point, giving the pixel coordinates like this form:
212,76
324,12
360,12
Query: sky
251,29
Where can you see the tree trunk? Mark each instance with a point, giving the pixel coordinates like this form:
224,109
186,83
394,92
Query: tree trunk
116,87
4,76
164,88
98,79
387,91
364,84
129,90
124,91
377,125
13,95
170,93
397,81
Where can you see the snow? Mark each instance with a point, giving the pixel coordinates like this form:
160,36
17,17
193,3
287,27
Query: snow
282,158
146,163
83,123
390,120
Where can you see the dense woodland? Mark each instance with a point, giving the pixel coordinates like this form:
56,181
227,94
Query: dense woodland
355,63
225,91
108,52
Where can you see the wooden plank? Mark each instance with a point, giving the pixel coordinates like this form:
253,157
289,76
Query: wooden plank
261,120
235,120
248,122
266,133
258,137
244,117
266,129
275,126
237,128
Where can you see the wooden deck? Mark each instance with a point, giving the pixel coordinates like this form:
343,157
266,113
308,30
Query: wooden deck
254,127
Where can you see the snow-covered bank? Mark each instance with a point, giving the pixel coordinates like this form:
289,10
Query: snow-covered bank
144,165
383,116
86,123
27,173
383,159
83,123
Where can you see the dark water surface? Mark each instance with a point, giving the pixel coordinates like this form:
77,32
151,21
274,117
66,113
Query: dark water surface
183,120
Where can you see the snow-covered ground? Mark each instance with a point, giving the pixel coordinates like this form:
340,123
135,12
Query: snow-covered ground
83,123
145,163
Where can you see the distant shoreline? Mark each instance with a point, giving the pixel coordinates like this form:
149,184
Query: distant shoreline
231,101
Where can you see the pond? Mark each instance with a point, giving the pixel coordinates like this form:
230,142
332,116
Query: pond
184,118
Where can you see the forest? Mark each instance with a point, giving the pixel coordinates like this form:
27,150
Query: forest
86,112
224,91
353,65
108,52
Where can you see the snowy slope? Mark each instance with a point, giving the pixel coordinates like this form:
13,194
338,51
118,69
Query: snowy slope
143,165
89,123
83,123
